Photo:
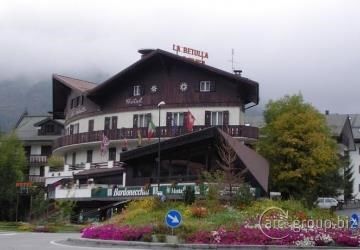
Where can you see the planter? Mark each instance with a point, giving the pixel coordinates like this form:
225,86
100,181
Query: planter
172,239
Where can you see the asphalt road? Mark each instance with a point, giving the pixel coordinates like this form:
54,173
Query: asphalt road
41,241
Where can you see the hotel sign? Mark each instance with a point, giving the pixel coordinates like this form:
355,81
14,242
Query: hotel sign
197,55
139,191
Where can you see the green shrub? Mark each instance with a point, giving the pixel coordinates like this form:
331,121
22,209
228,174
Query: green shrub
56,162
243,196
189,195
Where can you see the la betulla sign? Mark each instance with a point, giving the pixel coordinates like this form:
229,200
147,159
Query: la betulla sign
198,55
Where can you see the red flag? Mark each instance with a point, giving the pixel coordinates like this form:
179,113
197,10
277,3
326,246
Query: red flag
190,119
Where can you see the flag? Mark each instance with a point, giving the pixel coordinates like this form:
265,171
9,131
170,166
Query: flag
104,144
190,119
125,144
151,130
139,137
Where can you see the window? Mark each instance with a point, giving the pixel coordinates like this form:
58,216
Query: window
112,154
177,119
76,128
49,128
82,100
77,101
65,158
137,90
110,123
89,155
217,118
142,121
205,86
73,159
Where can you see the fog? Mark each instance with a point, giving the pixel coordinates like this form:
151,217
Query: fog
288,47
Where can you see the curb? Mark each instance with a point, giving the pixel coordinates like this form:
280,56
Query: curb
152,245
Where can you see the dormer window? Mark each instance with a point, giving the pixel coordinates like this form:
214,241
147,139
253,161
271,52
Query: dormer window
137,90
207,86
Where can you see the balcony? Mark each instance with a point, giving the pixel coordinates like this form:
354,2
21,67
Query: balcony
36,179
165,132
37,159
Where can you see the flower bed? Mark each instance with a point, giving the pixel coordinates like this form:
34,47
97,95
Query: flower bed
254,236
112,232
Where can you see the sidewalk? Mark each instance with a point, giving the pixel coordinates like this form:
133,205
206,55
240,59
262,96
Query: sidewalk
151,245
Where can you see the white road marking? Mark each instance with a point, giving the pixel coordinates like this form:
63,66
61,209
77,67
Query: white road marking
7,234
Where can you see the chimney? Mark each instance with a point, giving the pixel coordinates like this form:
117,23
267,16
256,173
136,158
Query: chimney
145,52
327,112
237,72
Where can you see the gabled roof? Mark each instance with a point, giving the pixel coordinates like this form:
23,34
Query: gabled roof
73,83
42,122
159,52
255,163
336,123
27,131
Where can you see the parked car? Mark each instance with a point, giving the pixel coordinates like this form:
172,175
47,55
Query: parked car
327,202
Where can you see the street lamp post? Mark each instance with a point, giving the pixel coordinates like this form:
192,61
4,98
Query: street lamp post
159,134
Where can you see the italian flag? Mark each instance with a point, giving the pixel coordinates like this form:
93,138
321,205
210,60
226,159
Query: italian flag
151,130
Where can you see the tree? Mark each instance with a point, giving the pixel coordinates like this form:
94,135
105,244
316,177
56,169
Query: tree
299,147
233,175
12,163
348,177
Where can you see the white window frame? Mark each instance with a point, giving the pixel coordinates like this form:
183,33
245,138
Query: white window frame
177,118
137,90
142,122
205,86
219,119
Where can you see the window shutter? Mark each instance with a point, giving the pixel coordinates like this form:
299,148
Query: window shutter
197,87
71,129
142,90
91,125
148,119
131,91
114,122
168,119
185,118
207,118
212,86
226,118
107,123
135,121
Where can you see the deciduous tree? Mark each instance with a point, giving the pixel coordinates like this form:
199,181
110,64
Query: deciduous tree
12,163
299,147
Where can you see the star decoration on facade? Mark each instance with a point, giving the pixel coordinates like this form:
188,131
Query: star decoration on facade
183,86
153,89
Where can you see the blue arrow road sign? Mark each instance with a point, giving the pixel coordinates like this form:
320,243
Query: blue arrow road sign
354,221
173,218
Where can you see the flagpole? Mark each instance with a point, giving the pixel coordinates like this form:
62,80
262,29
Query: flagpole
159,150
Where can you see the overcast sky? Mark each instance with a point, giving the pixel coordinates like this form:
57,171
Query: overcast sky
287,46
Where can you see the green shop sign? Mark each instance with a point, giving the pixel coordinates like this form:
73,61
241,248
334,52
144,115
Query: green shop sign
138,191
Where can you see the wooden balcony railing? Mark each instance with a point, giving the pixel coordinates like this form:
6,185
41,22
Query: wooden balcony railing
36,178
37,159
132,133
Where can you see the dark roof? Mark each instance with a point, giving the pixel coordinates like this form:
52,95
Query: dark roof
159,52
40,123
97,172
27,129
336,123
74,83
255,163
